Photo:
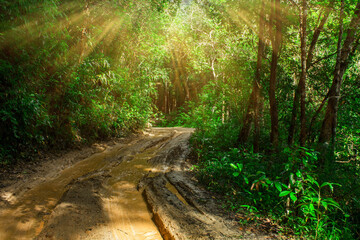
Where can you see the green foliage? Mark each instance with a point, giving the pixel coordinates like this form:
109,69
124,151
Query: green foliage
64,78
286,187
111,106
289,182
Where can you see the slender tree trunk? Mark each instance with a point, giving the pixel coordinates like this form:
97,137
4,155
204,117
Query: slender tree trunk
186,89
276,43
223,107
327,95
328,128
302,81
246,128
310,55
328,123
84,32
252,113
318,112
316,36
294,115
166,98
257,85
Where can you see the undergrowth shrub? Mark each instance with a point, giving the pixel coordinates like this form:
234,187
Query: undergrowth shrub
95,102
287,187
65,82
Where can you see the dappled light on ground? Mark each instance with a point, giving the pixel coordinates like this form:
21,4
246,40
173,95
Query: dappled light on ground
106,182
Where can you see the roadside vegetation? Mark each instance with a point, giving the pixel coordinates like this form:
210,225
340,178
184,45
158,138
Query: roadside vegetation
272,88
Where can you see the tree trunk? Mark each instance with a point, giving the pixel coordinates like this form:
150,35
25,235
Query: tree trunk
252,113
316,35
257,88
318,112
276,42
328,128
310,55
302,80
294,115
166,98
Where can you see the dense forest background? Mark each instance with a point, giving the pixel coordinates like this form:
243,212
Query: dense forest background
272,87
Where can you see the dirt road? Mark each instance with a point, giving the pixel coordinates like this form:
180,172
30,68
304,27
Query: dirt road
140,189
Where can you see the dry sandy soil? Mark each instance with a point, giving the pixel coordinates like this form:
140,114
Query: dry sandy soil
136,188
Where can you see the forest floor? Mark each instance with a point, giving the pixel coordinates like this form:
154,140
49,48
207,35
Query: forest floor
141,187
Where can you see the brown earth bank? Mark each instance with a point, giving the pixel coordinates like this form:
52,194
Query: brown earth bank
136,188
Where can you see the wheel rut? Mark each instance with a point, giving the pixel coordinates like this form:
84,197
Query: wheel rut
139,190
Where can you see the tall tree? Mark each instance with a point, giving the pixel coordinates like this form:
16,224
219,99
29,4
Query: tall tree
303,74
310,55
276,40
328,128
252,113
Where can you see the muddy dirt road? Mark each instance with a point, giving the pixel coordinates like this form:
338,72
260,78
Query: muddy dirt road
140,189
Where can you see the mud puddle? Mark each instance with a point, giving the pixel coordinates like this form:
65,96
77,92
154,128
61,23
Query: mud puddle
128,214
142,189
116,171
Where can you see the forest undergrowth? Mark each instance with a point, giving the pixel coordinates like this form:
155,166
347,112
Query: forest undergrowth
287,187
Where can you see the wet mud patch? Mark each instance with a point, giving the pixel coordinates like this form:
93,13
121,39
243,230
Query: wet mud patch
138,189
183,210
178,219
16,180
181,207
80,206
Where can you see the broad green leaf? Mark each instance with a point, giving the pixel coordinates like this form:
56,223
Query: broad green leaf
284,193
240,166
233,165
293,197
278,186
